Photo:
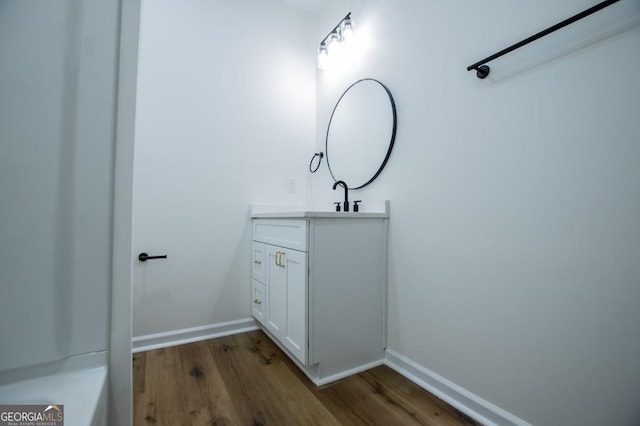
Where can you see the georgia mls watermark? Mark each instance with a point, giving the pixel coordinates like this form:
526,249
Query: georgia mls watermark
31,415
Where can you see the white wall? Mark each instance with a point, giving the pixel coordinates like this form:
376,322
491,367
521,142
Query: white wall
225,113
57,113
515,203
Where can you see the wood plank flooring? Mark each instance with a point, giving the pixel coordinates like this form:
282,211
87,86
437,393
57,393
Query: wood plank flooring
245,379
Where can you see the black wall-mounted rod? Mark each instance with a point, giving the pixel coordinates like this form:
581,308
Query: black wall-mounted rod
482,70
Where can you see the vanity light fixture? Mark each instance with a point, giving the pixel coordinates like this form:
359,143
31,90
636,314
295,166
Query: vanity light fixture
340,34
323,57
334,42
347,29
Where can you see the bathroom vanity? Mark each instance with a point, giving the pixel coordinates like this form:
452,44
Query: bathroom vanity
319,283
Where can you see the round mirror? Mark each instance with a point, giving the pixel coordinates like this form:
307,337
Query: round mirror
361,133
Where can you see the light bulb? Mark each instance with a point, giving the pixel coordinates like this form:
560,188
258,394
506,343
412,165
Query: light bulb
334,43
323,57
348,30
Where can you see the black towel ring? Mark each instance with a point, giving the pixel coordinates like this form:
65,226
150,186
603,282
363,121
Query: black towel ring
318,155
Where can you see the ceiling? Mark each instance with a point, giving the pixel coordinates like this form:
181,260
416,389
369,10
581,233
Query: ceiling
309,5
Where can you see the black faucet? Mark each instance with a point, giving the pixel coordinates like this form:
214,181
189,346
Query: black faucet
346,194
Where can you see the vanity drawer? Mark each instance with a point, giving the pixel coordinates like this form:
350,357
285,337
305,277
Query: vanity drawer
258,301
288,233
258,258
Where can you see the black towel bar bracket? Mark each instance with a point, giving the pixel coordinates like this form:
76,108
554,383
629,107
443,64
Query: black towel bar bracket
481,67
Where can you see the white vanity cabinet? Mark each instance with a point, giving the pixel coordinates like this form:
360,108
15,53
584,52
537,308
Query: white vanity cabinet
319,289
280,282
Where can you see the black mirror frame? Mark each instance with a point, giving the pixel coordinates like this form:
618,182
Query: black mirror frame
393,132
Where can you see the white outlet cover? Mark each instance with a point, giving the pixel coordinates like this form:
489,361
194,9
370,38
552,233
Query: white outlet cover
291,185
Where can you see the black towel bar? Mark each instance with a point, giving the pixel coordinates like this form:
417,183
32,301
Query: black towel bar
482,70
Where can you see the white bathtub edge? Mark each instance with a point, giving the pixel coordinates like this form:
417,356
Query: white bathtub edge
80,385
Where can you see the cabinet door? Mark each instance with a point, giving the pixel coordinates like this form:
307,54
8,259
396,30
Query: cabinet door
286,310
258,301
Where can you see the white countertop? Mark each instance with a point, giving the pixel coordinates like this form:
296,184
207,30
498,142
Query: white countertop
282,212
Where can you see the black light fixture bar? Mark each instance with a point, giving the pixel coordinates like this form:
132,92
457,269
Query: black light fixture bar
482,70
347,16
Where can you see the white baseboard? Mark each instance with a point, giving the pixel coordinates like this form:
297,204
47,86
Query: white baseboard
463,400
326,380
189,335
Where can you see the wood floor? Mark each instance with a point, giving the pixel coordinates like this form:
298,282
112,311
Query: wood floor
245,379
